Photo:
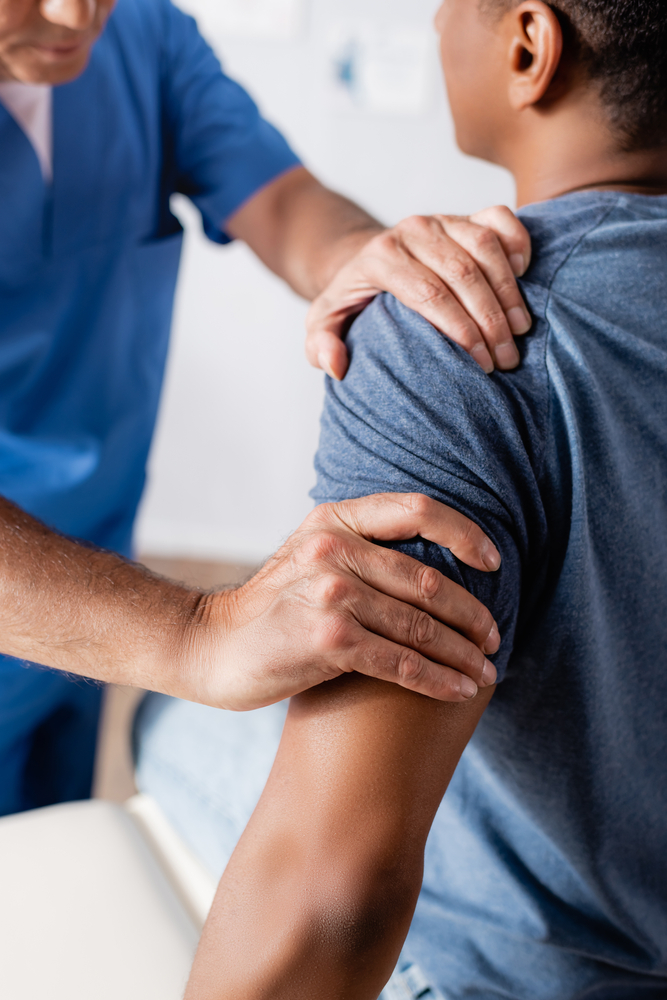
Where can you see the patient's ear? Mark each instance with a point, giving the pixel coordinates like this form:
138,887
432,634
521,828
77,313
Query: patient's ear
535,48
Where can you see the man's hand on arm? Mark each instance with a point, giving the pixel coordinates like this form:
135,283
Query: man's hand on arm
318,896
458,272
329,602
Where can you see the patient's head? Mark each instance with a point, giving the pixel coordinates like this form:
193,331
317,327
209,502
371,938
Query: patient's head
566,94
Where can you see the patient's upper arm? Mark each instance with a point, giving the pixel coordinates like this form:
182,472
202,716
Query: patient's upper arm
416,414
318,896
369,763
334,850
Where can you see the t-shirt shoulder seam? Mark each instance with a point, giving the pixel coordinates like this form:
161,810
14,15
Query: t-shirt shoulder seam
575,246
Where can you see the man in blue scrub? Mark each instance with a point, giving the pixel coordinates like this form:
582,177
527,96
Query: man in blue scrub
105,111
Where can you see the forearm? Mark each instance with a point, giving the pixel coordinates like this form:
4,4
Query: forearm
318,896
274,933
326,595
88,611
303,231
331,230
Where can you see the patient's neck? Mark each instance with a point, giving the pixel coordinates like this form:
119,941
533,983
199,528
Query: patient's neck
572,150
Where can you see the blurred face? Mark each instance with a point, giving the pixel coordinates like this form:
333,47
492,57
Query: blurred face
48,41
475,67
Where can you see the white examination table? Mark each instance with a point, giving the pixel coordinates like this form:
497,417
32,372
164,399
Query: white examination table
97,902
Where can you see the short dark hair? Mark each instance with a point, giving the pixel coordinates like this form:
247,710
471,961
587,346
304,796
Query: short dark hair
622,45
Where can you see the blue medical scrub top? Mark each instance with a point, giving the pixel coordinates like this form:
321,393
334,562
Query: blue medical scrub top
88,265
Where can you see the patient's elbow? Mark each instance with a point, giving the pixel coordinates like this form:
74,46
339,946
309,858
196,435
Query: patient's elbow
361,905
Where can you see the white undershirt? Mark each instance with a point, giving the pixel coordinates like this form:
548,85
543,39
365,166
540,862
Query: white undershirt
30,105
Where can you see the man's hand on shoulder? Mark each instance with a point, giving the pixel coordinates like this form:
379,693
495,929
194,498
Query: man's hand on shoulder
458,272
331,602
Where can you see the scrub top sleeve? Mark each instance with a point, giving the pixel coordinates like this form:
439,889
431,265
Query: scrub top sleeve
218,148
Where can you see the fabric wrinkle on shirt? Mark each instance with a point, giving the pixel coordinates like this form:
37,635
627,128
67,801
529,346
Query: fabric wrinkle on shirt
31,106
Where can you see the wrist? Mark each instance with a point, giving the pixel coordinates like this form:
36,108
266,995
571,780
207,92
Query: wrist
347,247
194,650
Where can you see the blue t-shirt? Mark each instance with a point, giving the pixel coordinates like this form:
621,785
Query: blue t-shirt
88,264
546,868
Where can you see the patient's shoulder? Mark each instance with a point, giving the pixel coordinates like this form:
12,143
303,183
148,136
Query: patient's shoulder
416,414
424,393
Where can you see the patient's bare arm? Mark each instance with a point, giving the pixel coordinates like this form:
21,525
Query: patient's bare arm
318,896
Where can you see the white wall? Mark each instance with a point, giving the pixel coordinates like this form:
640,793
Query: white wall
232,461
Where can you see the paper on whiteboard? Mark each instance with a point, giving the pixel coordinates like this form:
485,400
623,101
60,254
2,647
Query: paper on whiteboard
380,68
281,19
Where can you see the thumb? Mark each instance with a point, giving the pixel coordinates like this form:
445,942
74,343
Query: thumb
400,516
325,350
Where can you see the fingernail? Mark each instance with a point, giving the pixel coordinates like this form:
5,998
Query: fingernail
492,640
507,355
489,673
482,357
491,556
324,365
517,264
468,687
518,319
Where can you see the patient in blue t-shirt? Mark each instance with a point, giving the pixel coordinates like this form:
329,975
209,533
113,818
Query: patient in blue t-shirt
545,864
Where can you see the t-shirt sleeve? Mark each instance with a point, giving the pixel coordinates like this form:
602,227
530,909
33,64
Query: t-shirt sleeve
220,148
415,414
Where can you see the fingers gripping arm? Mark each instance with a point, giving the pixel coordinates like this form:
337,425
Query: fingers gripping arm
318,896
329,598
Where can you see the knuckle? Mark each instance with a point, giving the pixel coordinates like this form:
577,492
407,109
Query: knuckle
484,239
425,292
493,319
331,590
507,219
501,210
320,546
332,633
468,531
505,287
422,629
486,216
318,516
417,504
410,668
448,220
427,583
386,243
415,224
462,270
